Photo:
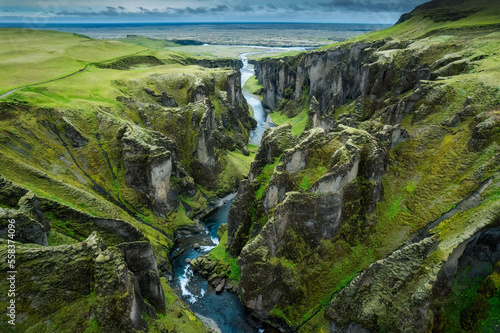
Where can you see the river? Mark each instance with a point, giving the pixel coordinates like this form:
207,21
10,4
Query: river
225,309
259,113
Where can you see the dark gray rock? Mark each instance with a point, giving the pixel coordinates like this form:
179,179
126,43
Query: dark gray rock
141,261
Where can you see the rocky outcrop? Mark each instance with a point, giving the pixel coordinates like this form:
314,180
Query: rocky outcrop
141,261
241,214
70,133
164,99
311,202
423,287
85,282
217,274
306,197
367,300
273,143
134,169
240,218
148,168
31,226
82,224
485,125
205,147
210,115
374,75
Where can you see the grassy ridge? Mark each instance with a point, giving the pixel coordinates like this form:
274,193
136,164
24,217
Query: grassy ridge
298,122
469,14
252,86
30,56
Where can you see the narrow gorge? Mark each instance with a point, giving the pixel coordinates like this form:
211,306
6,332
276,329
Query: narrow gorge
220,310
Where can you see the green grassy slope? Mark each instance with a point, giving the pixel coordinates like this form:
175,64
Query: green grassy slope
31,56
436,16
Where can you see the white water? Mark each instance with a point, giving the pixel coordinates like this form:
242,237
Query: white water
184,281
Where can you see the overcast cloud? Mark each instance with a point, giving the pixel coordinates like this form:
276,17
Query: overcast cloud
335,11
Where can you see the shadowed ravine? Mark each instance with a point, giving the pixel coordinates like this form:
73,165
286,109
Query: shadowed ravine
225,310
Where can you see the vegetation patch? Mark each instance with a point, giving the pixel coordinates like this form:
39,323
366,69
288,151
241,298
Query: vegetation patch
299,122
252,86
129,62
220,254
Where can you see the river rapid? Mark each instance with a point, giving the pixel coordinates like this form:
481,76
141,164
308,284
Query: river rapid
223,312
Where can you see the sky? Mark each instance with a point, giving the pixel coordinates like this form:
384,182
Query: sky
39,12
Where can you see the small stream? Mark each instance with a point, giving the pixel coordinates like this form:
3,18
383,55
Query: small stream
224,309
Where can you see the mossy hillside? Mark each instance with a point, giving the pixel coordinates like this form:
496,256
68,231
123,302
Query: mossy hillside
442,173
226,266
394,223
318,166
93,118
302,262
56,238
446,53
474,303
433,170
289,111
236,167
69,297
446,16
177,315
76,304
53,174
298,122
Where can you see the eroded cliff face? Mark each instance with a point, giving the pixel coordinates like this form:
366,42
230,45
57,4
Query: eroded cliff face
215,119
85,282
109,184
372,74
318,187
356,224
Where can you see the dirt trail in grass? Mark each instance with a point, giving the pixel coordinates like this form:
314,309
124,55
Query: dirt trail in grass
34,84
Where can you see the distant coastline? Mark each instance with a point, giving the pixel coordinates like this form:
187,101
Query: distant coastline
219,33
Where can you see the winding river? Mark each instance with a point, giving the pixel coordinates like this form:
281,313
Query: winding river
223,312
259,113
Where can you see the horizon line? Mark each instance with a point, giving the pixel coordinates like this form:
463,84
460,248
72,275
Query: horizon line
182,22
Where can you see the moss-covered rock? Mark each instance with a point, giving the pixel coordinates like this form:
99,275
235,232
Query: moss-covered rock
322,189
370,299
86,286
136,154
31,226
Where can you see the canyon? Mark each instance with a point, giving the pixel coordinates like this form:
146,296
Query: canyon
372,206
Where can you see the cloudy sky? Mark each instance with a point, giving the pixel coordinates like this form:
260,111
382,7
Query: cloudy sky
335,11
